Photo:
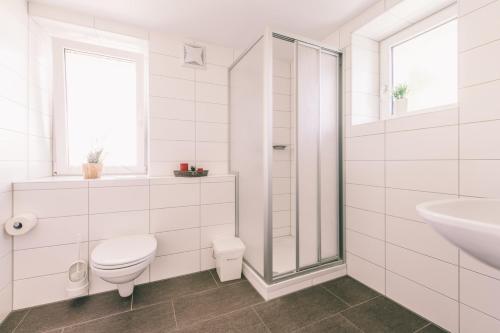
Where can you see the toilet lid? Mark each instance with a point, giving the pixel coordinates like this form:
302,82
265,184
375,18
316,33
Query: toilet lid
124,250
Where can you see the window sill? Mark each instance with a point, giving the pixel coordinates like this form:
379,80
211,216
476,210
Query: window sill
72,182
421,112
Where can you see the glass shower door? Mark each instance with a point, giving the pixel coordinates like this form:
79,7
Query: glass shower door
317,156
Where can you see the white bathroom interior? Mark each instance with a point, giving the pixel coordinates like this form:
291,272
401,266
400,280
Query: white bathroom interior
257,166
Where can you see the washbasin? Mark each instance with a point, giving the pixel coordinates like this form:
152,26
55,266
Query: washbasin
471,224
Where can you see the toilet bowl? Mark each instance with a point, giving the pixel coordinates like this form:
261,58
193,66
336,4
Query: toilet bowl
121,260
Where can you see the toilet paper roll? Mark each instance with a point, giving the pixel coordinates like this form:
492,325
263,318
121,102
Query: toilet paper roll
20,224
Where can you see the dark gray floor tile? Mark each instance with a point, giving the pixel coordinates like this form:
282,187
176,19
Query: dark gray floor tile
241,321
12,321
52,316
299,309
151,319
431,328
165,290
337,324
225,283
193,308
350,290
384,315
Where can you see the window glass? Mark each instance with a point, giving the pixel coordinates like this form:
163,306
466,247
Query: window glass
427,64
101,106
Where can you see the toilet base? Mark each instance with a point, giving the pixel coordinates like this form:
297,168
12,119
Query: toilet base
126,289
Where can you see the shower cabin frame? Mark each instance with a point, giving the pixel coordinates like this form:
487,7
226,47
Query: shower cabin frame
268,276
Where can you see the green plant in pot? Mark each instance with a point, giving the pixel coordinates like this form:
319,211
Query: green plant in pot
400,100
93,168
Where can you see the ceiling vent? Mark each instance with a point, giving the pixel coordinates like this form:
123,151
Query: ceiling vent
194,55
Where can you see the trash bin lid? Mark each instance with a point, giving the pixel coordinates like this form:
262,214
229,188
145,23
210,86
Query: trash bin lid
228,246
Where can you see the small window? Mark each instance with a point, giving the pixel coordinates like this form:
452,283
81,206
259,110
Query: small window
422,62
101,106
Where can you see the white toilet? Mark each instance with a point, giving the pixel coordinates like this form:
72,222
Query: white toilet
121,260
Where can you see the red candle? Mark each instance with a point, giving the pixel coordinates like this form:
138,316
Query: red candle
184,167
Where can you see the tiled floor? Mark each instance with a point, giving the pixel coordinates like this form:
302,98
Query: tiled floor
201,303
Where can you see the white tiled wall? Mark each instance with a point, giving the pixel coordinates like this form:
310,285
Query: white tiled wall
393,165
188,107
24,124
184,215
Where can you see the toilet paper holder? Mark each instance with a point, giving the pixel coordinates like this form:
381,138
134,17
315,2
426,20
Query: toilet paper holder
20,224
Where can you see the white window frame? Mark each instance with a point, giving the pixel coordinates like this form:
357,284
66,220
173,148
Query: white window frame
432,22
60,147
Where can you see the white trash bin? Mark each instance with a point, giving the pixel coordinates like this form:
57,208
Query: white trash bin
228,253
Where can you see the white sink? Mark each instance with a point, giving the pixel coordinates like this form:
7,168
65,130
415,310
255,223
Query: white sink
471,224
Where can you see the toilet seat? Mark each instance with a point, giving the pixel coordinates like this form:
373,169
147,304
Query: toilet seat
123,252
120,266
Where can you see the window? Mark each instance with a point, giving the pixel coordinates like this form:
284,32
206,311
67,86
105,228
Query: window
99,104
423,58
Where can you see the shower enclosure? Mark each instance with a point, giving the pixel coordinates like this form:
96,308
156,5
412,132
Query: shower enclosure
285,148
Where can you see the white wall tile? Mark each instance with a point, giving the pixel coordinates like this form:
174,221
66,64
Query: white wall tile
160,64
472,321
480,140
424,120
55,231
369,274
209,233
212,74
179,109
28,293
365,148
174,265
172,151
168,219
433,143
402,203
472,264
487,69
207,259
366,222
47,260
164,196
436,307
177,241
479,103
480,292
421,238
368,248
480,178
211,151
366,197
118,199
6,272
211,93
6,303
479,27
466,6
210,112
110,225
212,193
365,172
51,203
213,132
217,214
431,176
174,130
432,273
162,86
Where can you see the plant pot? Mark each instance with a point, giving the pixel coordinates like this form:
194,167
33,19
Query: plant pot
400,106
92,170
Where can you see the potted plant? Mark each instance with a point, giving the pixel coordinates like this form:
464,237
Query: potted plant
400,102
93,168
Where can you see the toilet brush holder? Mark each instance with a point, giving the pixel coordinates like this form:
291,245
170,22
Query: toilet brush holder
78,279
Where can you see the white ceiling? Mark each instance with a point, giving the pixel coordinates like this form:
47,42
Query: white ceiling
232,23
